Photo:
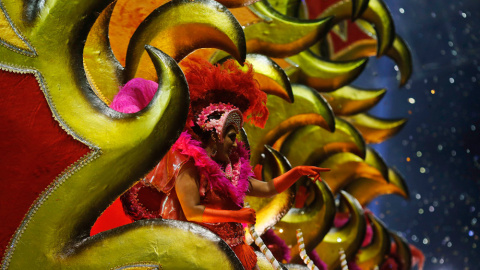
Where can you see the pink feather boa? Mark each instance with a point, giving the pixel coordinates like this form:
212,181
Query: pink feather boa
212,171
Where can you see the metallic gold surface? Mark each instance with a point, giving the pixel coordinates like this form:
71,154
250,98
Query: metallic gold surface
349,237
213,24
11,37
270,76
104,72
403,251
375,129
287,7
347,169
309,108
265,32
350,100
398,52
262,262
374,253
374,159
367,189
311,145
271,210
376,13
315,219
325,75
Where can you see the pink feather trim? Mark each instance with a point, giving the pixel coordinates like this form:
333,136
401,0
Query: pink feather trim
212,172
134,96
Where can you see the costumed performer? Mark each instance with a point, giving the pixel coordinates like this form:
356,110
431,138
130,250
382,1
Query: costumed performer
206,175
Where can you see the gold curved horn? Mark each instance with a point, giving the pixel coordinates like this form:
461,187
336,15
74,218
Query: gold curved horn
311,145
375,252
315,219
213,24
349,237
265,31
104,72
403,251
324,75
309,108
271,210
375,129
350,100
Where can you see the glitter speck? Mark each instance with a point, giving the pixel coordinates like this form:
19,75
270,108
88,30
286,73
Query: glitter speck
422,170
425,241
473,127
451,80
419,154
432,91
411,100
420,211
470,233
464,15
403,10
418,196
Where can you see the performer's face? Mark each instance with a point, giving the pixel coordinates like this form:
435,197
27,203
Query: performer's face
229,143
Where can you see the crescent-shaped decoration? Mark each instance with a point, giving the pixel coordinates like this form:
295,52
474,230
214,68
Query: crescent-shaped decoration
375,129
376,13
350,100
310,145
403,252
374,253
309,108
271,210
11,37
314,219
208,25
104,72
347,168
265,31
365,190
324,75
349,237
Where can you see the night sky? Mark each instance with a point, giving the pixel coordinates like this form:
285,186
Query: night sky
442,136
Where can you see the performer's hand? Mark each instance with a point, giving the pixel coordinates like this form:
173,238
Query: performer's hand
311,171
246,215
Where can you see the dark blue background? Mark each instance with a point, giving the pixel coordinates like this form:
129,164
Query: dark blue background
442,135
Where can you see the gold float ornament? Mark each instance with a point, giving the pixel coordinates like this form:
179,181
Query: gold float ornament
213,26
350,100
322,74
311,145
402,252
265,30
104,72
271,210
398,52
374,254
375,129
375,160
309,108
269,75
349,237
315,219
11,37
365,190
376,13
347,168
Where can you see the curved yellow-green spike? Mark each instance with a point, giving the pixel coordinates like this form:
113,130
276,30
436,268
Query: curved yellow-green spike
365,190
104,72
403,251
208,25
374,129
54,232
266,32
358,7
374,253
236,3
376,13
350,100
325,75
375,160
270,76
398,52
271,210
349,237
286,7
347,169
310,145
315,219
309,108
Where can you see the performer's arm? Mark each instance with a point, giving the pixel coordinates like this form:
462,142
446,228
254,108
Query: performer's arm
187,189
284,181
